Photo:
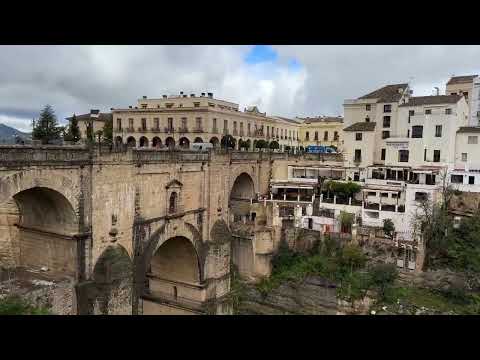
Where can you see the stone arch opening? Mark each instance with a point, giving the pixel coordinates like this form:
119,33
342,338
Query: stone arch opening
112,276
176,260
45,232
198,140
243,188
214,141
184,143
131,142
143,142
156,142
170,142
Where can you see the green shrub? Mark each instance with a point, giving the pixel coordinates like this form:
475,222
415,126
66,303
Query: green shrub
16,305
382,277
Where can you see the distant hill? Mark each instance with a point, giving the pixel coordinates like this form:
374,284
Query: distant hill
7,134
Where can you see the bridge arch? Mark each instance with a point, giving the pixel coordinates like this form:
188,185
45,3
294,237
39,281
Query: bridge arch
176,259
243,187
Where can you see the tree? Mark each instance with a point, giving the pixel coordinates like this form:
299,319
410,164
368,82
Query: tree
46,128
261,144
72,132
108,130
274,145
388,228
382,277
346,220
228,141
351,259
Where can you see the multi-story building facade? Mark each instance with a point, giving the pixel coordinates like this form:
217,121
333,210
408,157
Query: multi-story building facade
469,87
179,120
322,130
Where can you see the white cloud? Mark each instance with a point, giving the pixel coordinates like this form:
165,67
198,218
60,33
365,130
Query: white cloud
80,78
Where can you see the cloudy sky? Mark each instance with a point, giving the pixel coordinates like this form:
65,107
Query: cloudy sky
282,80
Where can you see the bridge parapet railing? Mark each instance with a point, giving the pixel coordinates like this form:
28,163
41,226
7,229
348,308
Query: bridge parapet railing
170,156
22,153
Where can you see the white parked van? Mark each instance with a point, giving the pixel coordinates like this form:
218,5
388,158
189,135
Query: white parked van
201,146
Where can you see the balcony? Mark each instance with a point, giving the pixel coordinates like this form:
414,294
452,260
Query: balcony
214,130
235,132
130,129
155,129
142,129
169,130
183,129
198,130
241,133
225,131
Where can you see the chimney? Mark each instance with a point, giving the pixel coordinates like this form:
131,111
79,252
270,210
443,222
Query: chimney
192,95
164,96
181,92
130,106
203,94
210,95
144,97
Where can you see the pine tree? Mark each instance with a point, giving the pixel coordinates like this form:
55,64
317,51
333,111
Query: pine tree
108,130
46,128
73,130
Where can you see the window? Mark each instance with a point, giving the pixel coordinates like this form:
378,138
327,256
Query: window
367,119
402,155
184,123
170,123
368,107
456,179
248,129
425,154
408,133
335,136
307,135
385,134
384,151
316,135
464,156
215,125
119,124
198,121
268,129
386,121
436,155
144,124
387,108
235,127
196,104
417,131
384,195
411,112
172,208
144,106
225,125
156,123
325,135
394,196
358,136
421,196
428,112
372,193
472,140
438,131
448,111
471,180
465,94
358,155
169,106
130,123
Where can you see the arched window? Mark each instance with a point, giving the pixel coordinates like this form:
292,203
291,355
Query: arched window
172,208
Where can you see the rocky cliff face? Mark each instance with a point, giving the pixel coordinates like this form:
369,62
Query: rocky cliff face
314,296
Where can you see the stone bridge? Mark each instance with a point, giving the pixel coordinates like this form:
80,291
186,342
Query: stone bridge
142,231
